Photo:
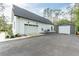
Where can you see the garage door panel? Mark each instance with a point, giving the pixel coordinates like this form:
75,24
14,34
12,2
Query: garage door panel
30,29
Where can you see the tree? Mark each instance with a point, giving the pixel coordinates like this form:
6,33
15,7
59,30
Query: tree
47,13
70,12
2,24
62,21
56,12
76,17
7,28
3,7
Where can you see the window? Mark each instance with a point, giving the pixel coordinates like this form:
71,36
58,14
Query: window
25,24
18,17
51,28
42,29
31,25
14,25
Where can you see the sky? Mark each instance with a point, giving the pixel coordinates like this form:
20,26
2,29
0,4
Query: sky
48,5
38,8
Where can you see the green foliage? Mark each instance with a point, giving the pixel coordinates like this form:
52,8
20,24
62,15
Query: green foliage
77,26
17,35
2,24
47,12
9,29
76,14
62,21
5,27
57,12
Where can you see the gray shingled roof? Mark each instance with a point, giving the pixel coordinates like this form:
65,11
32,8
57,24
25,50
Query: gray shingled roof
26,14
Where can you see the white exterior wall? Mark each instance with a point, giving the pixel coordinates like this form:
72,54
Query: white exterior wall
45,27
19,27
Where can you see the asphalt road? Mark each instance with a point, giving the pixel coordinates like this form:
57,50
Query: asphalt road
48,45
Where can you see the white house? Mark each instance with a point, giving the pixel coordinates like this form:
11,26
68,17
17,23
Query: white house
25,22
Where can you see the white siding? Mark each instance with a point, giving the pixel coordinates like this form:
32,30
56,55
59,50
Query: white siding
20,28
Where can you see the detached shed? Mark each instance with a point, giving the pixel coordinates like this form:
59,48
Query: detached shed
65,29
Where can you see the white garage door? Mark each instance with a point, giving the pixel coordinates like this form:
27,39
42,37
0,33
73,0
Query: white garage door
30,29
64,29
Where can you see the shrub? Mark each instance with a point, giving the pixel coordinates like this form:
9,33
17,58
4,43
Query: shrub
12,36
3,24
78,29
17,35
7,36
24,35
9,29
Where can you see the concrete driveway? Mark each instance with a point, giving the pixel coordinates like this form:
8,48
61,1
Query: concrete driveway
48,45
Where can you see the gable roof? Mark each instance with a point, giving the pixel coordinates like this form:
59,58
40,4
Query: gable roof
26,14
